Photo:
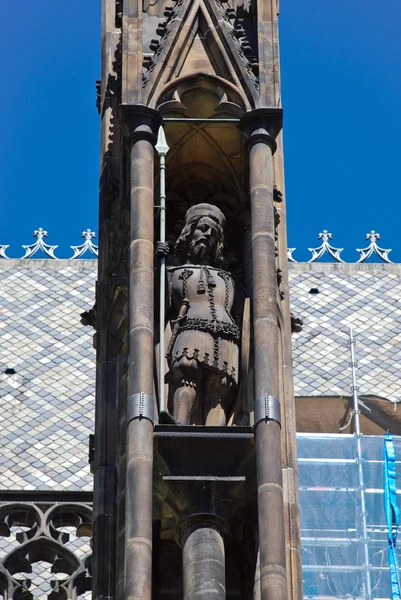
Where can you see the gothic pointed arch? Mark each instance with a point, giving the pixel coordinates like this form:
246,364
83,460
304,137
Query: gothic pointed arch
199,37
205,159
189,94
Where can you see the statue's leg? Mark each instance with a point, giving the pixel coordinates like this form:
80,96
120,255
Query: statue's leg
216,394
187,373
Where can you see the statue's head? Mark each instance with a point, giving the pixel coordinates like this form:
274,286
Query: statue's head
201,239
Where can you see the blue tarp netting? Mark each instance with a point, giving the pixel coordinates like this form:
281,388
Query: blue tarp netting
333,556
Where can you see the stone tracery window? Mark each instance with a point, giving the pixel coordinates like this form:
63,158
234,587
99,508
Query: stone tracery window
45,551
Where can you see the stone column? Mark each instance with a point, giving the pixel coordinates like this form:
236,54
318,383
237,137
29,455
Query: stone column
141,124
104,466
260,128
203,560
247,250
288,421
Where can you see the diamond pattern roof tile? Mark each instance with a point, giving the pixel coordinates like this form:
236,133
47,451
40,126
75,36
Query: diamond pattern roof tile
44,427
364,296
47,406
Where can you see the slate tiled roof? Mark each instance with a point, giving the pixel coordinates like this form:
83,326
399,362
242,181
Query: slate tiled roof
364,296
47,406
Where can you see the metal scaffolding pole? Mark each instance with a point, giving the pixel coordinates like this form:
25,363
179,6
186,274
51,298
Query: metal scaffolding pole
357,425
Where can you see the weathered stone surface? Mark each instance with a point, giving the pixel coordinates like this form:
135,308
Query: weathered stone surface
203,353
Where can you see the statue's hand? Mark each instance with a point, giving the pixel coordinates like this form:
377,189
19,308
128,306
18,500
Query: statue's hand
162,249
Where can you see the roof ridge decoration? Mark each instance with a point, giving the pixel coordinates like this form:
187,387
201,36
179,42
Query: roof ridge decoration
324,247
3,249
48,250
327,248
39,245
88,245
365,253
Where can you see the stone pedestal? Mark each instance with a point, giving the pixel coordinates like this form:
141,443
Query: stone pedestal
205,499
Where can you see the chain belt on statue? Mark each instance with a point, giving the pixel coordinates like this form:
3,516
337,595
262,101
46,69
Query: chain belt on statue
214,327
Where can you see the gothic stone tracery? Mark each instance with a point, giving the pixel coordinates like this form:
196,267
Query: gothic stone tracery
45,551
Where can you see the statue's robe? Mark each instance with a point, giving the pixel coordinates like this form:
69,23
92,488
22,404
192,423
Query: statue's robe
204,328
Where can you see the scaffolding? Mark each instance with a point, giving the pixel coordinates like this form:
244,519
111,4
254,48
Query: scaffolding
344,533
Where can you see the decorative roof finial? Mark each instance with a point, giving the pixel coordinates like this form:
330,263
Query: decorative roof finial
31,249
325,246
87,245
3,251
290,256
365,253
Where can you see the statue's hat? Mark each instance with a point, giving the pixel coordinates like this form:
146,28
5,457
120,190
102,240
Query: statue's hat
205,210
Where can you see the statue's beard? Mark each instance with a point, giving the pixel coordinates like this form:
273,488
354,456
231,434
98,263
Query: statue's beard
199,250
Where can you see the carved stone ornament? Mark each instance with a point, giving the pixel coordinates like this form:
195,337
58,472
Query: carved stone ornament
224,34
47,550
296,324
203,352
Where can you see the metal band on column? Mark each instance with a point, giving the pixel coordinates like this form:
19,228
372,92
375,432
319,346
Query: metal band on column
267,408
140,406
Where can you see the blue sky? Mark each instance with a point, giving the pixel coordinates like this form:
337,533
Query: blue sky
341,95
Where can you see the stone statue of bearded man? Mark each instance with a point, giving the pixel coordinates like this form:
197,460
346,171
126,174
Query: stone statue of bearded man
203,351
